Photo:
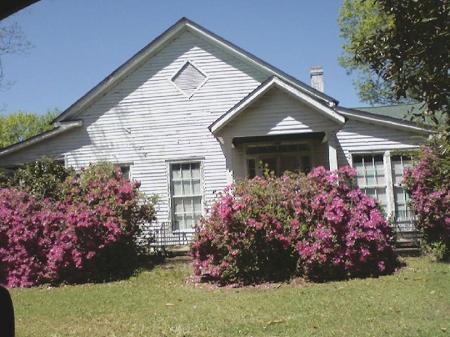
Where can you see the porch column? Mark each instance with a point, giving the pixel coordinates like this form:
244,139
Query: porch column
332,150
229,153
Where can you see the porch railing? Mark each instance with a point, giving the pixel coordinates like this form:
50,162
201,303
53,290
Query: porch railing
163,236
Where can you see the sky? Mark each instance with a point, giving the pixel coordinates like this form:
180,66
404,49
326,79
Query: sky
77,43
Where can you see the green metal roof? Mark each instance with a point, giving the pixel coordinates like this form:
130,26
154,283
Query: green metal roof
400,111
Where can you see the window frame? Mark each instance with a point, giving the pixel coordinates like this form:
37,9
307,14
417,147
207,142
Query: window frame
400,185
171,212
130,172
389,179
377,185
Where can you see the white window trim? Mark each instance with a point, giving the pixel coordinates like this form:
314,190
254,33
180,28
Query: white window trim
169,191
389,186
171,77
387,161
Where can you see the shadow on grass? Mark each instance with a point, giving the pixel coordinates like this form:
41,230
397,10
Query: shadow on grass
165,259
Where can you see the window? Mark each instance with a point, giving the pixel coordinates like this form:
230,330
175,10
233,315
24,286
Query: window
380,176
403,212
185,194
370,175
125,169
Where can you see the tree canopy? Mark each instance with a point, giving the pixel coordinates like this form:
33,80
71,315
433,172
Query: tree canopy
400,52
20,126
12,41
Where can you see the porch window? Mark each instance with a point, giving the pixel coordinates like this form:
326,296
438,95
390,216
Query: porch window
380,176
185,194
277,158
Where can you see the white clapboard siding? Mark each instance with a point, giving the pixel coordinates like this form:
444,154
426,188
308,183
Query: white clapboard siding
357,136
278,113
147,121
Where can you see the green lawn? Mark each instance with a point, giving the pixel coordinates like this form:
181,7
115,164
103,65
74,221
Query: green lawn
413,302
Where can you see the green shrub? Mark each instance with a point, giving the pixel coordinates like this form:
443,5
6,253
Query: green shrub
42,179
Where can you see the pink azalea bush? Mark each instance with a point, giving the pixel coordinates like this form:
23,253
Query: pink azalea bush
428,184
21,240
320,226
89,235
344,232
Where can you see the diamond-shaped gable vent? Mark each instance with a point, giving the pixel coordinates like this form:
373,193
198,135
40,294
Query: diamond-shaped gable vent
188,79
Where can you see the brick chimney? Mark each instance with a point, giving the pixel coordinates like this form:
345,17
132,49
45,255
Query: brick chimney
316,75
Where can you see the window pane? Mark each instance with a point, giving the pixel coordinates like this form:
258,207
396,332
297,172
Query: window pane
188,206
289,163
178,206
381,197
402,210
176,174
196,171
370,178
187,187
358,165
186,171
399,163
378,194
189,221
379,167
251,164
125,169
197,205
306,164
177,188
179,222
269,164
196,187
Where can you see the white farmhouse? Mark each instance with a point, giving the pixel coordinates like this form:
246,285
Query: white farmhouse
191,112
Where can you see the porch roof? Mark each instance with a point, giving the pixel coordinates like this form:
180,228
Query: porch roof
262,89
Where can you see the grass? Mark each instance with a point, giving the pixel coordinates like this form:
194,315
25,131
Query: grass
413,302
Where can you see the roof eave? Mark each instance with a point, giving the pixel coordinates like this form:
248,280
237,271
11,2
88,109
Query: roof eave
60,128
383,120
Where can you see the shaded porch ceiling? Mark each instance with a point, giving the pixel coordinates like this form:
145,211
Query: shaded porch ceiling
278,138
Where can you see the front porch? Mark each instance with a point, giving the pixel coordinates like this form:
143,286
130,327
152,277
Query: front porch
300,152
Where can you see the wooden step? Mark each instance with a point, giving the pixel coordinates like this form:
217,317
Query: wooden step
408,251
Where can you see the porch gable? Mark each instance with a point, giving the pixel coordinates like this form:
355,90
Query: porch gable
261,91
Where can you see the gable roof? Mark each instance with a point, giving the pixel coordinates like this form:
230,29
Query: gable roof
154,46
263,88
